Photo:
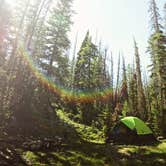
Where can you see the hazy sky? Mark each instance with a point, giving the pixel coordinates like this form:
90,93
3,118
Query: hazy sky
116,22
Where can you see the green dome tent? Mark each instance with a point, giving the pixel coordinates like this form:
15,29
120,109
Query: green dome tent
131,130
137,124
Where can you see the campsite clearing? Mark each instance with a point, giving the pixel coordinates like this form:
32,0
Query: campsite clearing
85,153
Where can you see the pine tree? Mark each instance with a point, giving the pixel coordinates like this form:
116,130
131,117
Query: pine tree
101,75
155,16
85,66
124,90
157,49
132,90
21,83
35,12
90,75
73,62
31,19
57,43
117,82
112,73
37,41
140,91
4,33
20,14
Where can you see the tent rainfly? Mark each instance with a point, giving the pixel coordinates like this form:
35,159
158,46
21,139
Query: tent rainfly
131,130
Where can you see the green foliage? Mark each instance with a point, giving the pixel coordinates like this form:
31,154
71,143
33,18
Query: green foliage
54,60
155,16
125,109
31,158
157,49
142,111
160,149
90,74
70,157
88,133
132,84
97,155
26,103
85,65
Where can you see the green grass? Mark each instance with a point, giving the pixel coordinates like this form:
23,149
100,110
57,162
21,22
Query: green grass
31,158
91,154
91,151
146,150
67,158
87,133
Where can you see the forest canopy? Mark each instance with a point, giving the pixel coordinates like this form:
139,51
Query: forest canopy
72,100
40,75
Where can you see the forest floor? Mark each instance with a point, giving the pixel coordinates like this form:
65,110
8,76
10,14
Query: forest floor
83,154
89,150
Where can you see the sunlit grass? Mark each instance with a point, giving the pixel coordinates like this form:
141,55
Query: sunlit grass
31,158
88,133
146,150
61,158
125,155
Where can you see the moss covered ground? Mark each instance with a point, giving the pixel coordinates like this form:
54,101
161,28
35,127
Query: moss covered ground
92,154
90,150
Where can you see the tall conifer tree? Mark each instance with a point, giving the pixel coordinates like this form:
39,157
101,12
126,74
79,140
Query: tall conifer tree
157,49
140,91
57,42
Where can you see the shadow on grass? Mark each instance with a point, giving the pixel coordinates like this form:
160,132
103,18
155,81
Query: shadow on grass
51,157
10,157
91,154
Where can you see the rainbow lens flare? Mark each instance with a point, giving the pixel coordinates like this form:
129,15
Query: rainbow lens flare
66,94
